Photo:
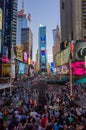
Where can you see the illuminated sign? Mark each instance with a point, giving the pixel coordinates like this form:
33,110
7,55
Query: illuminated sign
5,54
20,13
78,68
0,19
25,57
6,70
19,53
21,68
43,38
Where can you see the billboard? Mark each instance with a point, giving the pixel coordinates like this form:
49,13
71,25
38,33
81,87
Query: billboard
21,68
0,19
78,68
5,54
25,57
19,53
63,69
80,50
6,70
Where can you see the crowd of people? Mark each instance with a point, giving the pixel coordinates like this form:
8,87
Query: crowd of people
25,112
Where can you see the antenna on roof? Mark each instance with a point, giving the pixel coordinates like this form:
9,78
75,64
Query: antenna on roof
22,5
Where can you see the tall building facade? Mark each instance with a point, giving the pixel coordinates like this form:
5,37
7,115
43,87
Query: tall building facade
27,41
73,23
9,22
42,48
22,22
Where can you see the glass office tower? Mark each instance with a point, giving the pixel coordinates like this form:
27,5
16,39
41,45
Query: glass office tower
22,22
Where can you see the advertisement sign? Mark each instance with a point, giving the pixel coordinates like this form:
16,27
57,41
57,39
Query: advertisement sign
78,68
0,19
19,53
65,69
25,57
6,70
80,50
5,54
20,13
59,69
21,68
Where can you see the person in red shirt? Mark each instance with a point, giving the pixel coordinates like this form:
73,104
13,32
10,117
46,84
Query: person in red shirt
44,121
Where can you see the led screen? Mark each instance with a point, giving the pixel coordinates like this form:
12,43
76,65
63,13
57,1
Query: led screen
5,54
25,57
78,68
21,68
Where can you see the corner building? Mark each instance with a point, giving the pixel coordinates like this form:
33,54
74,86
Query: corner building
73,19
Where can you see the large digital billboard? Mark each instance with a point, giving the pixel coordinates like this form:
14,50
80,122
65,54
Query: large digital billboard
19,53
21,68
78,68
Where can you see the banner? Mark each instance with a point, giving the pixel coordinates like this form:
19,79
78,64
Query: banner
19,53
0,19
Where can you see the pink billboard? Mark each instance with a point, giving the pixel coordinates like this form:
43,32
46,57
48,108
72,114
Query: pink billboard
25,58
5,55
78,68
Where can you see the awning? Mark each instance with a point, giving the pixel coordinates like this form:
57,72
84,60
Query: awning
83,80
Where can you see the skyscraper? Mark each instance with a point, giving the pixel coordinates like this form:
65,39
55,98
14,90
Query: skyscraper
9,21
22,22
73,23
42,48
27,41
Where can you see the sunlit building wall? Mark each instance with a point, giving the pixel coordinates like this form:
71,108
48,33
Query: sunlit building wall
73,19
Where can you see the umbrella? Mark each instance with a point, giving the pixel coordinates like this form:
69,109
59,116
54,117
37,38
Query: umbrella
83,80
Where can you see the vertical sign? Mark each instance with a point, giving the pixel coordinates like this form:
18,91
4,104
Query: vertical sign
0,19
0,27
85,61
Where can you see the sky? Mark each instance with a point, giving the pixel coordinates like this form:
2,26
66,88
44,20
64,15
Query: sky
45,12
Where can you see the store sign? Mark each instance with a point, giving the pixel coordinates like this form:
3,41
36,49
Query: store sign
19,53
0,19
